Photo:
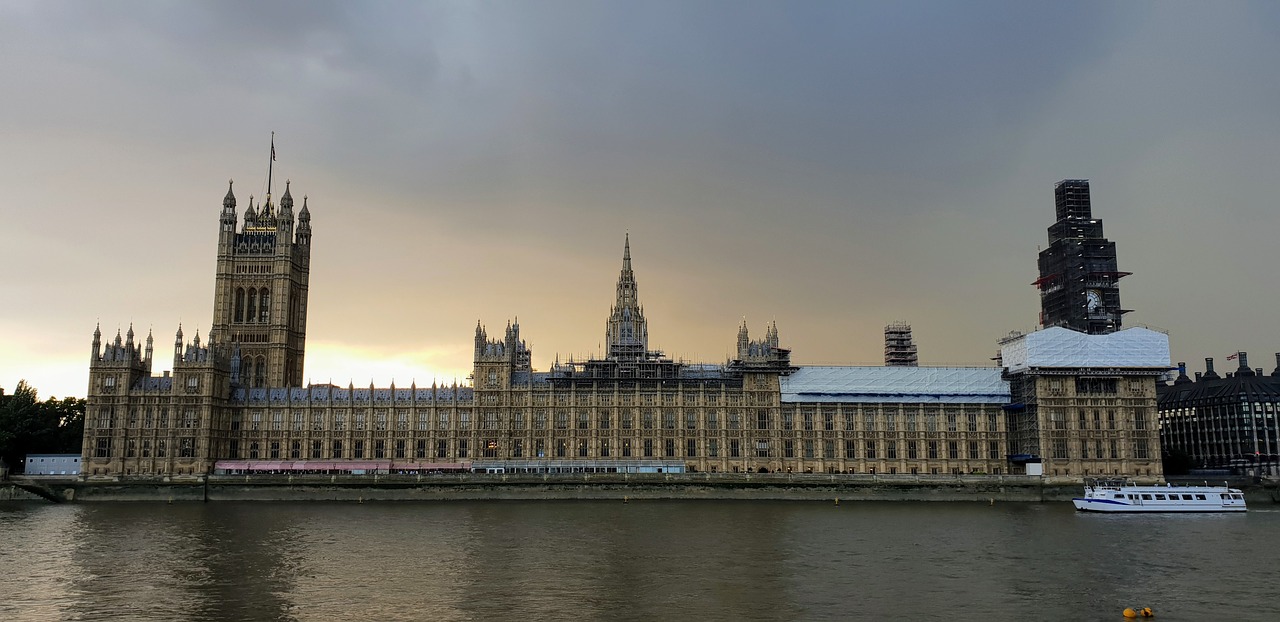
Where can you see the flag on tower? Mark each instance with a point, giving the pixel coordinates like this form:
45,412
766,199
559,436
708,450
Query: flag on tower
1233,356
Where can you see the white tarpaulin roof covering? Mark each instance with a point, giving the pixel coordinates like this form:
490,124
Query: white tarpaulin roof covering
1063,347
964,385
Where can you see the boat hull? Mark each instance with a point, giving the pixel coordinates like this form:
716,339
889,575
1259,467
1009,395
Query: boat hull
1114,507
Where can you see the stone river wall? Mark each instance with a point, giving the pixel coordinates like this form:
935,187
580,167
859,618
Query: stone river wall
772,487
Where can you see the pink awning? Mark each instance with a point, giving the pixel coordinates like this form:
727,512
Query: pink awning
303,465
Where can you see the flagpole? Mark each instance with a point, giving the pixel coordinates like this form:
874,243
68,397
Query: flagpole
270,164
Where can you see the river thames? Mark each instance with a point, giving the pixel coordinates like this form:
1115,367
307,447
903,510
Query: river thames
644,560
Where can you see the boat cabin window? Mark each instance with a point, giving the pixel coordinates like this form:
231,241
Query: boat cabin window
1133,497
1159,497
1200,497
1146,497
1186,497
1119,496
1238,496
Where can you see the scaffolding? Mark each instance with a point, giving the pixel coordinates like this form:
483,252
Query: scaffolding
1079,278
899,347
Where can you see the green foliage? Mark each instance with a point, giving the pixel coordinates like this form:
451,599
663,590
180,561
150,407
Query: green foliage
29,426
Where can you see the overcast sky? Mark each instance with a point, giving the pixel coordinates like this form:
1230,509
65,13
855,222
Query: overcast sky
830,166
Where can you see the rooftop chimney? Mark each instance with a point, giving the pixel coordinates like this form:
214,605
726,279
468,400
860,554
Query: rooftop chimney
1182,374
1208,369
1244,370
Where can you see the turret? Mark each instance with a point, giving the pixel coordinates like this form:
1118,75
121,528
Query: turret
97,344
250,216
177,346
761,355
304,225
286,202
150,349
229,201
228,218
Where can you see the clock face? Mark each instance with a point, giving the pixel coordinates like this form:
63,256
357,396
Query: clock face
1093,299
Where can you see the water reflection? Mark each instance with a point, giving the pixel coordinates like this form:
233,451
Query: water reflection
607,560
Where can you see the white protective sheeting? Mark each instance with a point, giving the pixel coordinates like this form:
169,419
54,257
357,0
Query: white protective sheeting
953,385
1062,347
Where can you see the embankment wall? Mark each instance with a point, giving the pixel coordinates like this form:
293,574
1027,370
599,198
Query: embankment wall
567,487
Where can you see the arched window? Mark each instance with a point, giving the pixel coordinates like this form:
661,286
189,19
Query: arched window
239,304
253,299
264,305
246,376
261,370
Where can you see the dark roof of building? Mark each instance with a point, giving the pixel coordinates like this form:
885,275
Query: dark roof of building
1229,388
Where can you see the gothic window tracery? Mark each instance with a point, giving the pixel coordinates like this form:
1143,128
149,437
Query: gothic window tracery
264,304
239,304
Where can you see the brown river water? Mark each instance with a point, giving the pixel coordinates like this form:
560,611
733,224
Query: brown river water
643,560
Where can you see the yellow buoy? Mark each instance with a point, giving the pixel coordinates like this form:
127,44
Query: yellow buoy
1143,612
1147,612
1130,613
837,500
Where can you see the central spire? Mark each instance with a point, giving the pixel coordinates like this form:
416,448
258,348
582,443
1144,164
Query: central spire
626,253
627,332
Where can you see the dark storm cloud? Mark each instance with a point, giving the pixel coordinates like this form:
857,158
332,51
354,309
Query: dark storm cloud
832,165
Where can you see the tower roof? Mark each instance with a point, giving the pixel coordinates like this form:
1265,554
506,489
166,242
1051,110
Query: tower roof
627,332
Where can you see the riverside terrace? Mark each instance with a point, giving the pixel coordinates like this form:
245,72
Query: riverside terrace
540,486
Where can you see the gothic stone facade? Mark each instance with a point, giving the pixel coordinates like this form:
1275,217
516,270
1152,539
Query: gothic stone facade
237,396
1086,404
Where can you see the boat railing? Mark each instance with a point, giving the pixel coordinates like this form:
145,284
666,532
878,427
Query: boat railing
1108,483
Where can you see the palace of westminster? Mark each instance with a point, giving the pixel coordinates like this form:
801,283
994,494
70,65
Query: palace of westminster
1076,398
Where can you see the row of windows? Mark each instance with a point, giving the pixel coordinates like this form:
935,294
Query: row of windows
1096,450
105,419
1096,386
626,448
253,305
647,419
253,370
185,447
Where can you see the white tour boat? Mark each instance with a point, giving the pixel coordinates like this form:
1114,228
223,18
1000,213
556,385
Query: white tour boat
1127,497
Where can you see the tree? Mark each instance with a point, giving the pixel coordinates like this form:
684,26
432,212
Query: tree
28,426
